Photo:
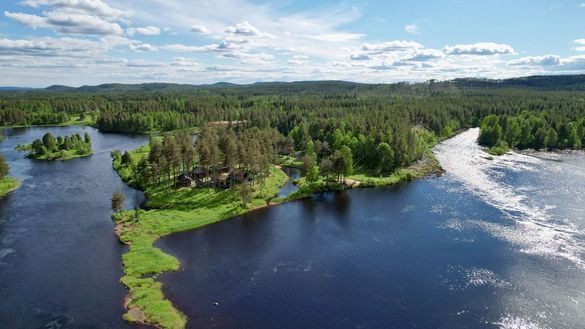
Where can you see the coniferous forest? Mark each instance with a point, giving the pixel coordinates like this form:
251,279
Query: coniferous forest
392,123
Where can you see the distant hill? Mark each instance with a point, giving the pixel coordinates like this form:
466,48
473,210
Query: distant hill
15,89
548,82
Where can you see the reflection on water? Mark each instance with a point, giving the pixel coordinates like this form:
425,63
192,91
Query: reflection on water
59,259
491,244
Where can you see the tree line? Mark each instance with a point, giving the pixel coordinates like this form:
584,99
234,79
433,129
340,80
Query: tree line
533,130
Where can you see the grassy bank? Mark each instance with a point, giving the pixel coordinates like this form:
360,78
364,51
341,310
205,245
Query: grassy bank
171,210
427,166
8,184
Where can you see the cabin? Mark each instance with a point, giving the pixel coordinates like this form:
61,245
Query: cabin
199,173
224,181
184,181
239,176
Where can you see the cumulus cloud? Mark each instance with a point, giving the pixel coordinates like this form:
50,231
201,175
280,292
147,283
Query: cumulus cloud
480,49
199,29
547,60
412,28
92,17
223,46
33,21
49,47
423,55
146,30
573,63
95,7
243,28
142,47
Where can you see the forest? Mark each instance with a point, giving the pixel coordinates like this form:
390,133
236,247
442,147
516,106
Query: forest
383,126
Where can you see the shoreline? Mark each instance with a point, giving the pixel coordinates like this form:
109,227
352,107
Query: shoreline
8,184
189,209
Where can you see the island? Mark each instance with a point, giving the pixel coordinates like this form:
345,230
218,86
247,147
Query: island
58,148
7,183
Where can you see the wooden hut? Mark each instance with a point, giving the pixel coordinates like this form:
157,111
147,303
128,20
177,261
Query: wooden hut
184,181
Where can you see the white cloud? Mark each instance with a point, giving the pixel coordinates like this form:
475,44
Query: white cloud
94,7
146,30
49,47
223,46
142,47
412,28
480,49
336,37
579,45
244,28
199,29
359,57
423,55
33,21
92,17
391,46
185,62
547,60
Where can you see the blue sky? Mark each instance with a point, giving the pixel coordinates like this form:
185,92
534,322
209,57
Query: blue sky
77,42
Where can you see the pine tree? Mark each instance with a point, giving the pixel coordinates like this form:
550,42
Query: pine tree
118,199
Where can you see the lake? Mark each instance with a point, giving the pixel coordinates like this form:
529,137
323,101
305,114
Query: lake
59,258
490,244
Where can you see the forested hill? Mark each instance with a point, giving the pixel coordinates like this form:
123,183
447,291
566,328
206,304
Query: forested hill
549,82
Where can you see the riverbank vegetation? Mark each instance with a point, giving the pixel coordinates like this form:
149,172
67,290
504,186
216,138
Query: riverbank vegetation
7,184
547,130
58,148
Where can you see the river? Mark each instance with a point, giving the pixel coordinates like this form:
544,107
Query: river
491,244
59,259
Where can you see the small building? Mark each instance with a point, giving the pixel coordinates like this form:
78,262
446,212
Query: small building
239,176
224,181
199,173
184,181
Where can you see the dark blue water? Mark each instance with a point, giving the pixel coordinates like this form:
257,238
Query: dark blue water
289,187
488,245
59,259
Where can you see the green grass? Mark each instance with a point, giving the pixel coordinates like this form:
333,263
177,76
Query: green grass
170,211
61,156
8,184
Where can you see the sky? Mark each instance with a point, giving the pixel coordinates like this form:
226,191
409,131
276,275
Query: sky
89,42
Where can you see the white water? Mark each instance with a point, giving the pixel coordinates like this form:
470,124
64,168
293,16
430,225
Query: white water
533,228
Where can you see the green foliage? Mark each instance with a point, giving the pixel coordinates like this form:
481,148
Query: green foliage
544,130
8,184
118,199
491,131
59,148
